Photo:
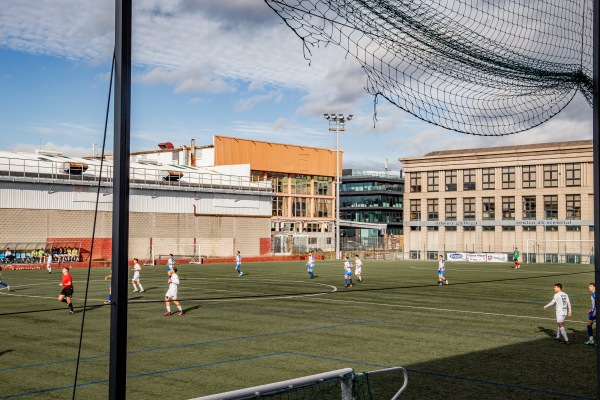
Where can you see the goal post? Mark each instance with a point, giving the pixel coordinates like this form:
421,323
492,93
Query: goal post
341,384
570,251
187,253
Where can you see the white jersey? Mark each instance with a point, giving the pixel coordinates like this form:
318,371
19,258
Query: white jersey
136,272
563,305
172,292
357,267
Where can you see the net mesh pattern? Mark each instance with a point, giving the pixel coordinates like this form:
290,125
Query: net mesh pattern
482,67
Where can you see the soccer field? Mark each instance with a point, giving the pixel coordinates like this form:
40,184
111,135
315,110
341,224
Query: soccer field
483,336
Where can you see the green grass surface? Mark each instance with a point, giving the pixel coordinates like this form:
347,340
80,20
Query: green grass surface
483,336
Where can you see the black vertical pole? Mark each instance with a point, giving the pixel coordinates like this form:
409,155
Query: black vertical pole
120,221
596,154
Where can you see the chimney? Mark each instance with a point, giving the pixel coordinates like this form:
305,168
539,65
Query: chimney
193,153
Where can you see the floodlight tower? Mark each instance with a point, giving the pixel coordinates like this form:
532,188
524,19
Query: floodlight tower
337,124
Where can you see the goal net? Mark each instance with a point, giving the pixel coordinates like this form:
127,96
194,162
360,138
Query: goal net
341,384
184,253
570,251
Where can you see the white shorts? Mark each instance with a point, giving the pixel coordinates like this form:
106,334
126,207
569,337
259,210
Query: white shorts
136,277
357,271
172,293
561,317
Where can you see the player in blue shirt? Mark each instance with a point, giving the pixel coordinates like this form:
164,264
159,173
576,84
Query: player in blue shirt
238,263
591,314
347,272
2,283
442,270
170,263
311,265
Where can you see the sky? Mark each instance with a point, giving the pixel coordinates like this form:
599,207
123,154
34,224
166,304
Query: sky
204,68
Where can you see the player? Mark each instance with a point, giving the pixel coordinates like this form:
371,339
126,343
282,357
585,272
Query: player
591,314
441,270
109,300
347,272
49,263
516,258
170,263
311,265
563,309
172,292
2,283
67,289
136,276
238,263
357,268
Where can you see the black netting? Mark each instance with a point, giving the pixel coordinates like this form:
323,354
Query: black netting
483,67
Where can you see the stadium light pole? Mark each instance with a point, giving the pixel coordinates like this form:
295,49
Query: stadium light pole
337,123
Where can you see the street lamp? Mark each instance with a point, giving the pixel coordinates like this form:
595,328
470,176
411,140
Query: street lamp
337,123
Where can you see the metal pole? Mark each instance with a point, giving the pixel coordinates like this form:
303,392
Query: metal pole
337,194
120,217
596,154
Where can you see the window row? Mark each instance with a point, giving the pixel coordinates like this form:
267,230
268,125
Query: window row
372,216
299,184
376,200
300,207
510,228
507,208
371,186
508,178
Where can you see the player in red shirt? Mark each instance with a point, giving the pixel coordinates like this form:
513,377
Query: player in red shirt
67,291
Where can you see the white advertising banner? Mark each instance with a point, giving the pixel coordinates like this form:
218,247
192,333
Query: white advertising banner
495,257
477,257
456,257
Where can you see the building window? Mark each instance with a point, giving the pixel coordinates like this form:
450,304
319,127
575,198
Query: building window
469,209
312,227
573,228
279,182
433,228
433,209
415,182
451,181
323,208
323,186
529,177
279,206
529,208
451,228
509,228
488,180
298,207
433,181
469,179
312,240
551,228
489,208
300,184
508,207
486,228
468,228
415,210
508,177
529,228
450,210
573,203
573,174
550,207
551,175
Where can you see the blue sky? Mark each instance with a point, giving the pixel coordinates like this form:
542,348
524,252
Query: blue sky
205,67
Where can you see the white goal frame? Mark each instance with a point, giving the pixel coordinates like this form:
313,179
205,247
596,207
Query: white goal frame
543,243
191,250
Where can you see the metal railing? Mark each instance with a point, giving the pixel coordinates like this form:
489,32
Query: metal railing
58,172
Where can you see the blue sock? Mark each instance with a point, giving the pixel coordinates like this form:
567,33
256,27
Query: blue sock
351,281
590,331
345,281
3,284
110,297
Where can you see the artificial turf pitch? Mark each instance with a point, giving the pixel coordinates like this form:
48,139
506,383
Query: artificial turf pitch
483,336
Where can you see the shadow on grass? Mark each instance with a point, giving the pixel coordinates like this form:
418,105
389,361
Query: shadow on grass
5,351
537,370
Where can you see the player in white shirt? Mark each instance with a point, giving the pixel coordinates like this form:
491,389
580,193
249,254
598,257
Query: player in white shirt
357,268
442,270
136,276
563,309
172,292
49,263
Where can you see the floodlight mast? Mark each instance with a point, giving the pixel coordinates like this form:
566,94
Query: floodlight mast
337,124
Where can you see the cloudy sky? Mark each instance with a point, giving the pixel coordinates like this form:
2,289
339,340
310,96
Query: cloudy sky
206,67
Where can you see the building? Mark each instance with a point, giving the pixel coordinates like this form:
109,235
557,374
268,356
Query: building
49,199
302,215
371,205
537,198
